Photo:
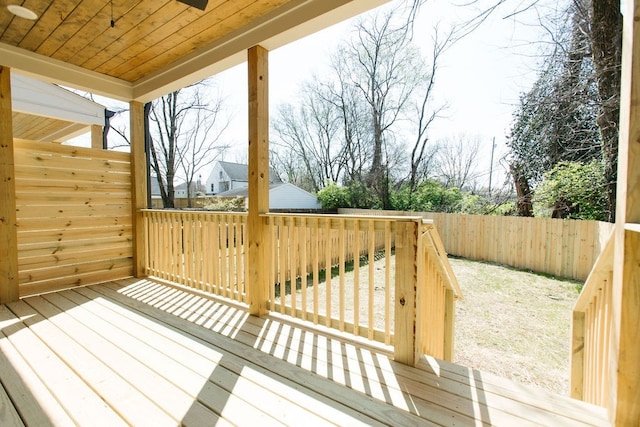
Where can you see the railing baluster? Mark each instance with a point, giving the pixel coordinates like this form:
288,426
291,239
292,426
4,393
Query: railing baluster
293,254
387,283
207,251
327,269
342,261
356,277
315,267
372,284
304,243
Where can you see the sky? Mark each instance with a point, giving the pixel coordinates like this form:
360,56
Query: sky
480,77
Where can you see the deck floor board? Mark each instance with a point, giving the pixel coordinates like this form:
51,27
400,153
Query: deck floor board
141,352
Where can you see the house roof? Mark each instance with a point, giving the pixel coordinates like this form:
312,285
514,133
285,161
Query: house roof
244,191
240,172
142,49
46,112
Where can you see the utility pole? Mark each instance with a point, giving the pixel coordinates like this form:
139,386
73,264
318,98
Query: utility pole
493,148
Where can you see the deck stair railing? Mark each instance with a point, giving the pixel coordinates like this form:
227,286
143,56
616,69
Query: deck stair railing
379,277
441,290
591,333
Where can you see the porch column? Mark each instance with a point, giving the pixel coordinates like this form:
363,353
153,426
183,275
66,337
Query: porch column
257,229
406,341
624,407
138,186
8,222
96,137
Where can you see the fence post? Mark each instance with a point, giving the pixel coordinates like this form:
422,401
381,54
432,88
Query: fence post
406,342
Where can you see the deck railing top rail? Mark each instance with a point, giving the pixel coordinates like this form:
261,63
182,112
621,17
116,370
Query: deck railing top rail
593,316
601,269
436,248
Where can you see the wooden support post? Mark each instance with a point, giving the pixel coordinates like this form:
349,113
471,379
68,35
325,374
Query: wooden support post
406,342
138,187
96,137
257,229
8,223
627,410
624,369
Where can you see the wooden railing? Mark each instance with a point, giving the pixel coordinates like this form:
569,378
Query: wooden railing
383,278
355,293
440,289
591,333
202,250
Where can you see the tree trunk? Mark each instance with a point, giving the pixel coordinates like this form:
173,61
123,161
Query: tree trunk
606,42
524,206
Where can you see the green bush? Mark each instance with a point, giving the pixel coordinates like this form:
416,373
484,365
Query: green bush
235,204
572,190
334,197
431,196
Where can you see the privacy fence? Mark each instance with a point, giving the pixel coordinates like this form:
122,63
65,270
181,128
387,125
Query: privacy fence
563,248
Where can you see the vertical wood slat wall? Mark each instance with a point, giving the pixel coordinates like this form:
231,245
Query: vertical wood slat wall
563,248
73,214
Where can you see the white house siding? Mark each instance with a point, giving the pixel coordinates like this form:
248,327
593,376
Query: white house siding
288,196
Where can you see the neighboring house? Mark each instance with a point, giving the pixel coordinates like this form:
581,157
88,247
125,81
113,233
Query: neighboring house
227,176
282,195
179,191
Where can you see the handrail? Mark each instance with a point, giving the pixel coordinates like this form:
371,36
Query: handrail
438,289
385,278
591,332
436,248
601,269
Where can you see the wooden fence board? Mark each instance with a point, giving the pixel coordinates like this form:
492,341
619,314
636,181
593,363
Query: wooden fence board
563,248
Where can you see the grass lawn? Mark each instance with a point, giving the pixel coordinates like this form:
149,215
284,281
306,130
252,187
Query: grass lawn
511,323
514,324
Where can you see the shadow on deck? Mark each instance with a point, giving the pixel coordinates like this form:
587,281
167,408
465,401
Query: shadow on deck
144,353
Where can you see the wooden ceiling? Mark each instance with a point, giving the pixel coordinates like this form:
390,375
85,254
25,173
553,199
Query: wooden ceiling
153,45
35,128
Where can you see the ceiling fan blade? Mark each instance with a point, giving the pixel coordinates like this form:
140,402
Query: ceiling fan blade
200,4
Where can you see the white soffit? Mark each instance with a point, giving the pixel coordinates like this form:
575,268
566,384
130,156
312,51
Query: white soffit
38,98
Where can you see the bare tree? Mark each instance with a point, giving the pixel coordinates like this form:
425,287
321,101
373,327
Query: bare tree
422,154
457,161
201,144
606,44
308,133
186,134
386,68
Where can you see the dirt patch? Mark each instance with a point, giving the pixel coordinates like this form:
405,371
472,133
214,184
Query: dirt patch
514,324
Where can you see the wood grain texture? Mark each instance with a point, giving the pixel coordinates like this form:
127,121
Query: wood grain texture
119,352
74,216
139,178
8,220
146,35
564,248
257,230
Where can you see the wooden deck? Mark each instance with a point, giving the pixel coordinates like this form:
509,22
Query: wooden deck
140,352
